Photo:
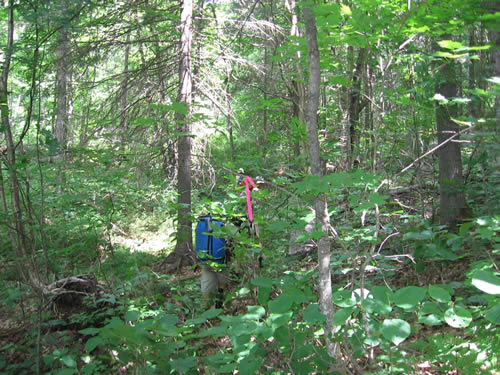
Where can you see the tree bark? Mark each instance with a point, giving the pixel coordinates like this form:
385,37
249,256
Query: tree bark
356,105
452,200
62,100
297,89
321,206
20,240
184,247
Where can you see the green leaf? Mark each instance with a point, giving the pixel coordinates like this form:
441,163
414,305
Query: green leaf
395,330
346,10
90,331
409,297
132,316
493,315
255,312
458,317
92,343
313,315
263,281
264,294
212,313
184,364
181,108
341,316
439,294
429,307
450,44
249,365
377,198
277,320
486,281
377,302
68,361
344,298
430,320
281,304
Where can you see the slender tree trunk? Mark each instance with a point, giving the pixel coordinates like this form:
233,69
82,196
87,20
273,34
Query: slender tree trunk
124,93
20,240
229,111
321,206
62,90
184,246
297,88
452,200
494,7
356,104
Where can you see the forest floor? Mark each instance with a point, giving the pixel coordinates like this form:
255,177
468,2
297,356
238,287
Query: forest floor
21,336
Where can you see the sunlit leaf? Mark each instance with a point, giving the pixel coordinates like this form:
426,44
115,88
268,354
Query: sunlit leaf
409,297
395,330
439,294
458,317
486,281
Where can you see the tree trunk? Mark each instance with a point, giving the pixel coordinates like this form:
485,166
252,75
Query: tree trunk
20,240
62,100
297,89
124,93
321,207
452,200
356,104
494,8
184,248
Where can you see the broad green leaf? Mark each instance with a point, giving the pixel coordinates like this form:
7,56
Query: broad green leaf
263,281
395,330
249,365
212,313
68,361
377,198
216,331
344,298
313,315
458,317
493,315
341,316
90,331
450,44
429,307
92,343
264,293
439,294
255,312
132,316
409,297
168,321
430,320
377,302
184,364
277,320
486,281
180,108
346,10
282,334
281,304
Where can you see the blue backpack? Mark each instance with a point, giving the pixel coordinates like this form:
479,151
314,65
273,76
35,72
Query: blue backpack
208,247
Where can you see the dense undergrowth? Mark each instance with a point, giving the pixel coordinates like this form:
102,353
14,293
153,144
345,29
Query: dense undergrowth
410,296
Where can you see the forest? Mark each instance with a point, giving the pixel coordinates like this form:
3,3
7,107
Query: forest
347,151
